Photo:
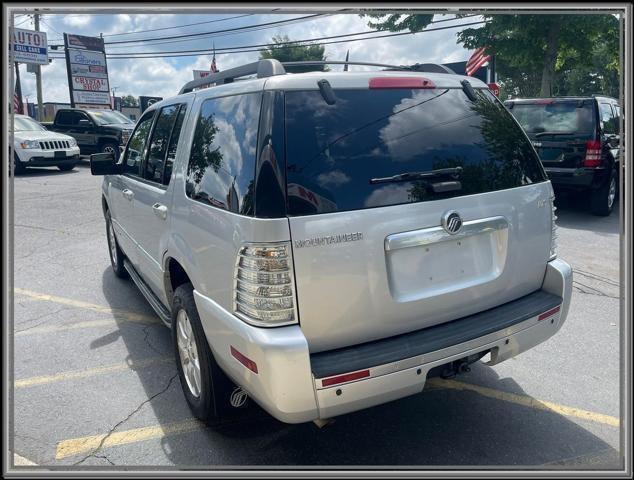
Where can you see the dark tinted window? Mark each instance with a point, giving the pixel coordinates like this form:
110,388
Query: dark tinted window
136,146
222,160
609,121
171,150
559,116
336,153
71,118
158,144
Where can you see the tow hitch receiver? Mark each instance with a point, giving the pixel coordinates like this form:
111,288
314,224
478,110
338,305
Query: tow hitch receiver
461,365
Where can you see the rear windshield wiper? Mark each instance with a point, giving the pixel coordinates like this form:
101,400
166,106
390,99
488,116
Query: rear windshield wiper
409,176
541,134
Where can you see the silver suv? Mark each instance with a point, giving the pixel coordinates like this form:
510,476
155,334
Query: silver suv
325,242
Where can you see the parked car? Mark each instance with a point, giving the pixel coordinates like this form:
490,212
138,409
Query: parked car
324,242
35,146
94,130
577,140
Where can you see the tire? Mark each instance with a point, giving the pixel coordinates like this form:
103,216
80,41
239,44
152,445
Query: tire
18,166
604,197
115,253
109,147
66,168
208,398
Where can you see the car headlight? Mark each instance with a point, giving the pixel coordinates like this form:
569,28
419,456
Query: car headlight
72,142
30,144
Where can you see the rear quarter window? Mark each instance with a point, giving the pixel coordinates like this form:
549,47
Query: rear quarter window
334,152
221,167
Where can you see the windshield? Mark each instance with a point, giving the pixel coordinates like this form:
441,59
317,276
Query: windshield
373,148
109,117
555,117
26,124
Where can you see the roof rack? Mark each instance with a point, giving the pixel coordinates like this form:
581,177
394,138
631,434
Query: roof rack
270,67
263,68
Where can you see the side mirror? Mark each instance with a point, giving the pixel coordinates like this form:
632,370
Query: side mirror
104,164
84,122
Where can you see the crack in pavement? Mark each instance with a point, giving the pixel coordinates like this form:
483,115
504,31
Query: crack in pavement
38,318
113,429
598,278
596,292
146,330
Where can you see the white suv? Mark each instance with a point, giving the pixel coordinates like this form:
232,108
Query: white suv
35,146
327,241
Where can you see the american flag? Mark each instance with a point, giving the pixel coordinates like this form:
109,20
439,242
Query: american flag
479,58
18,106
214,68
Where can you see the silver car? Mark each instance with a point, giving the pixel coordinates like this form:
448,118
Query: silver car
324,242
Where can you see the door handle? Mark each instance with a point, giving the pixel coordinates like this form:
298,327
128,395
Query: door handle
128,194
160,210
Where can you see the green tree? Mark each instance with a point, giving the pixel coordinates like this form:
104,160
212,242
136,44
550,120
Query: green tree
285,50
541,54
129,101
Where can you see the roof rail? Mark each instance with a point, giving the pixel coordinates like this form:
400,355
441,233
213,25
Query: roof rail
341,62
263,68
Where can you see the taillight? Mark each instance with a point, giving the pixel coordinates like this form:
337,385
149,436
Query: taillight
264,290
553,229
593,154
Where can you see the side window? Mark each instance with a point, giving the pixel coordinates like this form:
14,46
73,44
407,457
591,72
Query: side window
607,118
158,144
617,118
171,149
221,166
136,146
65,118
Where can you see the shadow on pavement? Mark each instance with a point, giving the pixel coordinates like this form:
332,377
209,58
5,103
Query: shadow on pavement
573,212
439,428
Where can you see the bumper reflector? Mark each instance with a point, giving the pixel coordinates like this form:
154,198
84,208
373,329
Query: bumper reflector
549,313
346,377
247,362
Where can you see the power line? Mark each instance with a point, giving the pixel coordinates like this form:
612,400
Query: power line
263,28
160,55
277,22
169,28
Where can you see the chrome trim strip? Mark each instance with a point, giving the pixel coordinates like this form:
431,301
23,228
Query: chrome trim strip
427,236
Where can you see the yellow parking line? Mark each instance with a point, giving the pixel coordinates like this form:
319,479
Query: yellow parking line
68,448
527,401
119,314
90,372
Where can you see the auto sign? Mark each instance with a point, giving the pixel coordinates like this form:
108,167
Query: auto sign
29,46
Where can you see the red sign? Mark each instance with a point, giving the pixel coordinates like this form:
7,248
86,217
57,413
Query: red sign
495,89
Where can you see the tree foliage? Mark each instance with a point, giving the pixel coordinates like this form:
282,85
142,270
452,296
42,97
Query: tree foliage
129,101
295,52
540,54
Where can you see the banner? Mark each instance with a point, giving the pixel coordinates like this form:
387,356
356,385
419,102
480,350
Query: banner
87,71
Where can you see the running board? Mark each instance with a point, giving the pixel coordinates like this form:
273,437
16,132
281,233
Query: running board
149,295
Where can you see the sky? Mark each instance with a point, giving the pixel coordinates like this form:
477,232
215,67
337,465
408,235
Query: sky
165,76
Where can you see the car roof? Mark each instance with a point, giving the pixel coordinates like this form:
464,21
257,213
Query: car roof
308,81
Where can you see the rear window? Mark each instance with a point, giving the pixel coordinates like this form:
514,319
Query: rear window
345,156
556,117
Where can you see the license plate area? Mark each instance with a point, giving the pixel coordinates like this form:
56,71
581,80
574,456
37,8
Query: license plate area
432,262
59,154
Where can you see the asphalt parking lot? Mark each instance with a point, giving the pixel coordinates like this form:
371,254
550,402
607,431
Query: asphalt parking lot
95,381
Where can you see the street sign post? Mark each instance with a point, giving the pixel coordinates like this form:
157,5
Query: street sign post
29,46
495,89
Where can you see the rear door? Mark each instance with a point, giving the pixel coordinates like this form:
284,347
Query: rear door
558,128
374,243
152,195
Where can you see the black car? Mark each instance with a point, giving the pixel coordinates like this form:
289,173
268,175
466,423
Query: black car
577,140
96,130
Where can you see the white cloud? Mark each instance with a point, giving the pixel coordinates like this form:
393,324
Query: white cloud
165,76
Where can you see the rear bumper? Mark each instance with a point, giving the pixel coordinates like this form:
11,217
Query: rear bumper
289,382
578,178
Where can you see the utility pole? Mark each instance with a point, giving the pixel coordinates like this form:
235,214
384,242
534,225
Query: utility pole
38,75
